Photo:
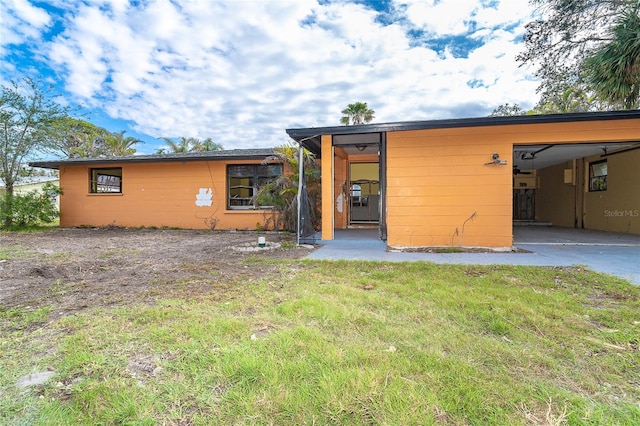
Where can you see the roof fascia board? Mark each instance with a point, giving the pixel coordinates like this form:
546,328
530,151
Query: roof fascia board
464,122
54,164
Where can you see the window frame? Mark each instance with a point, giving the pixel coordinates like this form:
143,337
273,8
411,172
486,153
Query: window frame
598,182
256,180
94,177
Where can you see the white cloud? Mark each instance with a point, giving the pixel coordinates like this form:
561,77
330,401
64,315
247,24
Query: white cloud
243,71
443,18
447,17
34,17
20,22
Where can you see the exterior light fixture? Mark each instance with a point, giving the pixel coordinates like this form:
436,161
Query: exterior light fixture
496,160
361,147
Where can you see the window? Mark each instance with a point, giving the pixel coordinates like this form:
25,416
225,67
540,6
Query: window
245,180
598,176
105,181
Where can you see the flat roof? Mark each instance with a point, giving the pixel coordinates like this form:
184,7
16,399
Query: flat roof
228,154
310,137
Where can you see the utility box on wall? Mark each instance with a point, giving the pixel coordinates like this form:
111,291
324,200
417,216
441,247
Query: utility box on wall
568,176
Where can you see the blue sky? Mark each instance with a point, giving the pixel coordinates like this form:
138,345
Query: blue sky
243,71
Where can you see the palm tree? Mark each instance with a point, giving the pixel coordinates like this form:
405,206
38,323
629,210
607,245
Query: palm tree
357,113
210,145
117,144
281,192
183,145
614,69
190,145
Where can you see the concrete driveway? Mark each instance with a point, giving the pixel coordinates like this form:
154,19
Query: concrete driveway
611,253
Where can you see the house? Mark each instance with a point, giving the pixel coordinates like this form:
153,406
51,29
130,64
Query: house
466,182
458,182
32,183
198,190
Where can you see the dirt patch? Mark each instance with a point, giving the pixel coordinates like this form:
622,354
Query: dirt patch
76,269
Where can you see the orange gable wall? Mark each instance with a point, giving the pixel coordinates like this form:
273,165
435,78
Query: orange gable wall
154,194
437,179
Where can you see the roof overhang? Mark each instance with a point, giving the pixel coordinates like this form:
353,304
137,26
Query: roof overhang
225,155
310,138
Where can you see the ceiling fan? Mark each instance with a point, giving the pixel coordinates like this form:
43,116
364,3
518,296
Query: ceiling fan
517,171
526,156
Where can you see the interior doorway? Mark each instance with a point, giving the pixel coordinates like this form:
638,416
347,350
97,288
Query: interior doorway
364,193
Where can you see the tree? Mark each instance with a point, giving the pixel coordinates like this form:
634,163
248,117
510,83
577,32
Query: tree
613,70
210,145
189,145
76,138
578,98
566,34
507,110
357,113
117,144
282,192
571,99
27,114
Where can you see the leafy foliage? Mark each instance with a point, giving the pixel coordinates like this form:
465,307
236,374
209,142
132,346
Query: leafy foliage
614,69
357,113
507,110
571,99
565,35
28,113
116,144
76,138
578,98
32,208
189,145
282,192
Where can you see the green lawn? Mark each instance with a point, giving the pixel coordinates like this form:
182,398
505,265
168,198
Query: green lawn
341,343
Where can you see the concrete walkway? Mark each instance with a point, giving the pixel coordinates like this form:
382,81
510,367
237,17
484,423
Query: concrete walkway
611,253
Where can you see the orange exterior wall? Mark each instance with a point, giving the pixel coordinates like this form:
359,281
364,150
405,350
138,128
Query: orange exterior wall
155,194
327,182
441,193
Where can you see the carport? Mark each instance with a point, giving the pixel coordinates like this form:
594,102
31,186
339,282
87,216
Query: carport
557,184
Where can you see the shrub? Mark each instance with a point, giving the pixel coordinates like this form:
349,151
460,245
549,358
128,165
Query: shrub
32,208
282,191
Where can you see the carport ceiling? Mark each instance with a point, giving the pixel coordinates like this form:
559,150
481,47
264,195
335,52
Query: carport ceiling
527,157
